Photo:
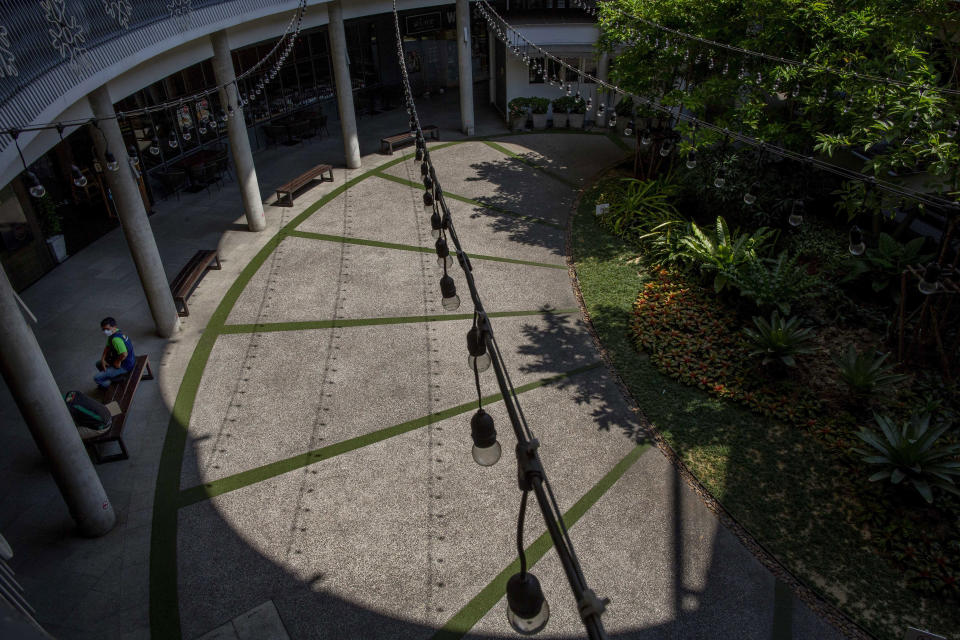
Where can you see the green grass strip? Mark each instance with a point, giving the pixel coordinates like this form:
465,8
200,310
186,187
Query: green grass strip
259,474
410,247
464,620
534,165
471,201
266,327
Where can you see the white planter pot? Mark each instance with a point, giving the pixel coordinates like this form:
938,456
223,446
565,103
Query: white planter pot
518,123
58,247
575,121
539,121
560,120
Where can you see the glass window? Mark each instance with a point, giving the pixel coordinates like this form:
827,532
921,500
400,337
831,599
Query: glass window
590,67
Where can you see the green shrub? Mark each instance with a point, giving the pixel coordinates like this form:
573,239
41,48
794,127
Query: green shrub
568,104
518,107
538,105
722,252
780,339
624,107
866,373
770,283
911,454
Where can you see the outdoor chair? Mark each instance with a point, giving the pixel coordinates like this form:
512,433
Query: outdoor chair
319,123
223,165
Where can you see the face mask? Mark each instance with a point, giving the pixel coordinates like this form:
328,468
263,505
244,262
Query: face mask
107,332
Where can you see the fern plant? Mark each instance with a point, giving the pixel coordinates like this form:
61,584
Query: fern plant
776,283
866,373
911,454
780,339
722,252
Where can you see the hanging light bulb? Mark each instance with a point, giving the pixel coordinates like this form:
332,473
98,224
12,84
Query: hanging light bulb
645,138
712,63
589,104
749,197
428,200
915,120
436,224
742,74
78,178
186,134
112,164
527,609
443,253
628,130
666,148
212,122
448,289
930,280
796,213
155,146
879,111
418,155
37,190
726,68
424,169
720,179
223,114
691,159
759,77
134,158
486,449
477,348
796,90
601,108
569,89
848,106
952,131
427,183
202,128
612,122
857,246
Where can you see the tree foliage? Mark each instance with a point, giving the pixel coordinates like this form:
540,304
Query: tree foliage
900,129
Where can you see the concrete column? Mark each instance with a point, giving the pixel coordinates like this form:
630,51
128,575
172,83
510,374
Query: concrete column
224,74
465,58
603,69
35,391
341,75
133,217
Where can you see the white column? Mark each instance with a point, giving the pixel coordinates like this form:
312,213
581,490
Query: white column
224,74
465,57
133,216
341,76
35,391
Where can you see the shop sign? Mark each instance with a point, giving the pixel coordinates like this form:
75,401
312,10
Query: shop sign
424,22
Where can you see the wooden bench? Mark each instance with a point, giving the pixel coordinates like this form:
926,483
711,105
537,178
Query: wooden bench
297,183
188,277
121,391
406,137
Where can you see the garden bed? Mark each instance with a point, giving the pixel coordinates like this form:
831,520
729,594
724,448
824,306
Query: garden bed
773,446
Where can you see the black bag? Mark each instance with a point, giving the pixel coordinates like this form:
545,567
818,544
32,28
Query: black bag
87,412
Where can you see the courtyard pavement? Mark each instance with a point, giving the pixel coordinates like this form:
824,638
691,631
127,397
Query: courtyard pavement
301,466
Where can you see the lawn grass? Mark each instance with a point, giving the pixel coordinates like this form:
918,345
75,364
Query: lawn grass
775,481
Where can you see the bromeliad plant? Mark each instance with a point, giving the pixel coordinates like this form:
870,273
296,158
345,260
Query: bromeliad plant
866,373
721,252
911,454
780,339
642,206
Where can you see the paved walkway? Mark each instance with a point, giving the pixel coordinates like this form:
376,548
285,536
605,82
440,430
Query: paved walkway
308,445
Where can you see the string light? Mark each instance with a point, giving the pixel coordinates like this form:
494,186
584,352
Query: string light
795,219
857,247
527,610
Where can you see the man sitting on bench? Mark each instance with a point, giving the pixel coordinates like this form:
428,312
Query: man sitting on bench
117,359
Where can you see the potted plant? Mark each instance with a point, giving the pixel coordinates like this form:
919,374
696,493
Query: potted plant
539,107
518,113
52,229
561,109
576,112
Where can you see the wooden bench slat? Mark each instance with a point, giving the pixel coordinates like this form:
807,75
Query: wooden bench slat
296,183
407,136
191,273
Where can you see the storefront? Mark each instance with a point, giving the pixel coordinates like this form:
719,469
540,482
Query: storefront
77,207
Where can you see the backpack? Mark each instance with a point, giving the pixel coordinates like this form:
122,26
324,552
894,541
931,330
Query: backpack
87,412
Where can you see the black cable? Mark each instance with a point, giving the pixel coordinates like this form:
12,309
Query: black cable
520,550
